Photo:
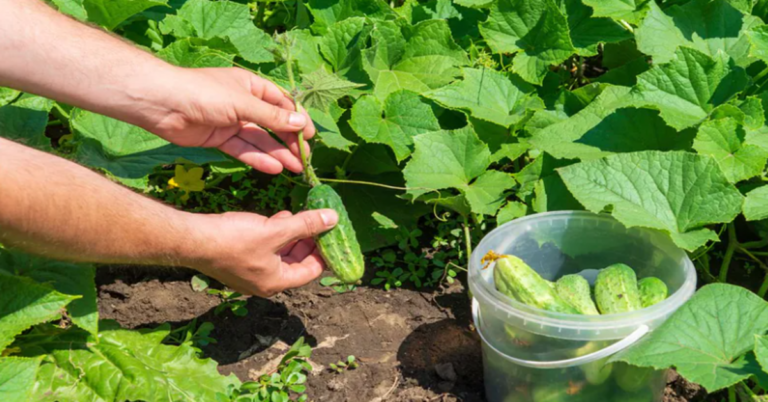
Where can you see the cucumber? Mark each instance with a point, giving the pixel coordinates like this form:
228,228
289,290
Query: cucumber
632,378
568,392
523,339
616,290
574,289
338,246
652,291
596,372
514,278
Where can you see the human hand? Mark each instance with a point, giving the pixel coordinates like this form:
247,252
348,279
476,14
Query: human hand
229,109
261,256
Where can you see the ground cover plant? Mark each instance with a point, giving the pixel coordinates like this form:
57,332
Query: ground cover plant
438,120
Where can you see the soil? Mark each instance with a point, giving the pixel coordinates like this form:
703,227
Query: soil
413,346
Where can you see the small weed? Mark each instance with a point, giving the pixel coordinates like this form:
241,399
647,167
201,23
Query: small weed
336,284
192,334
342,366
229,300
286,381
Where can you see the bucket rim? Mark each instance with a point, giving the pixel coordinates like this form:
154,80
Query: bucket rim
616,323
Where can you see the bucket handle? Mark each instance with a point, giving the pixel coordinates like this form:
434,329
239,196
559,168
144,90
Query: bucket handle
588,358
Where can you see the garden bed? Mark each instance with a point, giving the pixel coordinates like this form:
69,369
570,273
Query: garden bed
402,338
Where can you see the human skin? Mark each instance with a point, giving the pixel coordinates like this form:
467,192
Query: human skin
57,208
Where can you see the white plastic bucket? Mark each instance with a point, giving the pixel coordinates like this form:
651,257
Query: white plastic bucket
533,355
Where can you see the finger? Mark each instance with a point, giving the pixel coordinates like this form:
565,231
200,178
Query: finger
250,155
305,224
259,138
267,115
301,250
281,214
271,93
299,274
291,140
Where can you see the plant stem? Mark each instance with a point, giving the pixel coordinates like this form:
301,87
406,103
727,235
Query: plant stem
732,245
467,239
732,394
764,287
370,183
309,172
755,244
260,14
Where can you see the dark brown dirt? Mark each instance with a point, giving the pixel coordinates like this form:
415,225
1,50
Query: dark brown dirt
413,346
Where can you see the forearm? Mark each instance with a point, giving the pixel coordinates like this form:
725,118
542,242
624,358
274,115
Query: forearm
78,64
54,207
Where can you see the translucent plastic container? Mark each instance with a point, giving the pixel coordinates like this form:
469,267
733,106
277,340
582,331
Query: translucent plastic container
533,355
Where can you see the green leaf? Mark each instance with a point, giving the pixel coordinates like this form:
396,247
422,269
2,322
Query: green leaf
365,203
321,90
110,13
628,10
545,165
756,204
402,116
228,21
761,355
723,139
327,130
126,152
489,95
689,87
67,278
341,47
8,95
474,3
434,10
445,159
24,303
486,194
373,159
510,212
535,28
428,59
74,8
120,365
592,132
305,50
707,26
453,159
184,54
587,32
707,338
24,121
384,221
328,12
17,377
676,192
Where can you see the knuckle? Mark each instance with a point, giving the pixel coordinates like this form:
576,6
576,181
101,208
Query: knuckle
310,224
279,115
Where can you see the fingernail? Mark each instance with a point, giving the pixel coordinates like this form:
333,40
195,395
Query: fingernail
297,119
329,217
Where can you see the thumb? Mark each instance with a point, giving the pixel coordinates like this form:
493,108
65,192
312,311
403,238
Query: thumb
306,224
269,116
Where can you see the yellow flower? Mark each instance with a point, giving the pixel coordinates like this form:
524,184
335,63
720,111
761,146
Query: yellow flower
188,180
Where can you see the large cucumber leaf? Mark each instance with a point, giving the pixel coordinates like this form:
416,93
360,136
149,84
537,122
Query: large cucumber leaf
24,303
676,192
67,278
17,378
708,340
457,159
126,152
119,365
